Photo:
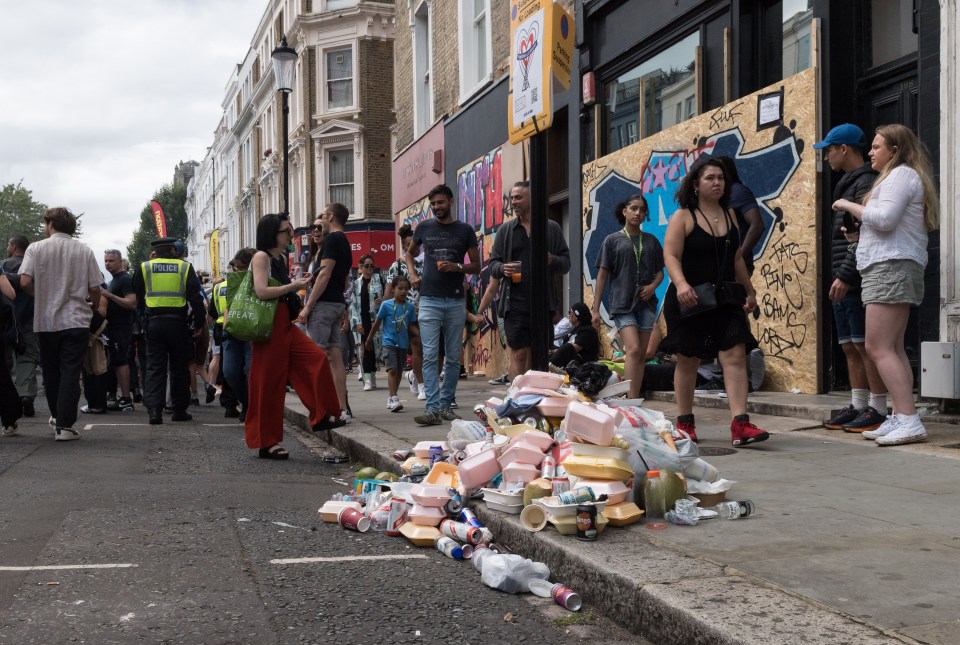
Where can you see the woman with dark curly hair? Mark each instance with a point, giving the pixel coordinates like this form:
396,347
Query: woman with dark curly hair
702,250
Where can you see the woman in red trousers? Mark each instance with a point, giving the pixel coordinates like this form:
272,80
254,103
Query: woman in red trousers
271,362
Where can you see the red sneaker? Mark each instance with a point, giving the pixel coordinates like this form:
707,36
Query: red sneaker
690,427
744,432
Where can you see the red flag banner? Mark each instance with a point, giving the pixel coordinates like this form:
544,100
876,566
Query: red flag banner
158,219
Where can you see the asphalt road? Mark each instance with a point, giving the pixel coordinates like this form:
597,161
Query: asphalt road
177,528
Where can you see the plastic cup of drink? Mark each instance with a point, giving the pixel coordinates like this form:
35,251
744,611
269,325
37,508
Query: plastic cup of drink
517,274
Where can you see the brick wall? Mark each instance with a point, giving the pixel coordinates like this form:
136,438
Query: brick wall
376,104
403,75
446,64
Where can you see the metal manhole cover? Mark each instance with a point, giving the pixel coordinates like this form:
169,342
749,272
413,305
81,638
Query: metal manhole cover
716,452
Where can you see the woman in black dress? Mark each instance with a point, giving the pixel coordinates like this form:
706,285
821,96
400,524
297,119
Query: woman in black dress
702,245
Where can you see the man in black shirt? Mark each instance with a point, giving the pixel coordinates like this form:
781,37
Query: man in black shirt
445,241
323,311
121,305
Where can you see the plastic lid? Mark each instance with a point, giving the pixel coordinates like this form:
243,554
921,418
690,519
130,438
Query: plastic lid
542,588
653,473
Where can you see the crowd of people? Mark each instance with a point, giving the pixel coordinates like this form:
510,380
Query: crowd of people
141,330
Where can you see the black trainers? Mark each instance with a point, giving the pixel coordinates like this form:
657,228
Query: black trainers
231,413
211,393
868,419
846,415
500,380
28,409
428,418
137,397
121,405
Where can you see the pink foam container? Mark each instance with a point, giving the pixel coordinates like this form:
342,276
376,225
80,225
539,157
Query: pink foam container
520,472
616,491
532,378
555,406
493,402
592,423
429,495
426,515
422,449
520,452
478,469
541,440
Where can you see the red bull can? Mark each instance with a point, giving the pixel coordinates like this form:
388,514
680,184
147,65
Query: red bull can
468,518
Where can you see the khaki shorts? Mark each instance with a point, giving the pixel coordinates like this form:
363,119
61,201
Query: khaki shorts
892,282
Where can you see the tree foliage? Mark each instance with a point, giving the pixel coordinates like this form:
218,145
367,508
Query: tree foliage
172,198
20,214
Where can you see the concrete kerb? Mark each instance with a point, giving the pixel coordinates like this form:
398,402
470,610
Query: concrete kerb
649,587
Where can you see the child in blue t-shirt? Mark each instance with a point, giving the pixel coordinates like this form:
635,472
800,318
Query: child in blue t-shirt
395,316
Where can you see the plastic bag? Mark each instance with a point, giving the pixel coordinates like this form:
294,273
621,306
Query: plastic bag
648,451
463,433
511,573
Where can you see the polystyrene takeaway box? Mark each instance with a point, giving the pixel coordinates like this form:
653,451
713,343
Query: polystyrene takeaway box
532,378
477,470
520,472
521,452
426,515
593,423
555,406
537,438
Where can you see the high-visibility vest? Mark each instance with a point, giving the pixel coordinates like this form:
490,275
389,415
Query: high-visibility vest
220,300
166,282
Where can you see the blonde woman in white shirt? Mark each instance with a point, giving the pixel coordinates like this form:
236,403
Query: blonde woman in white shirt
891,255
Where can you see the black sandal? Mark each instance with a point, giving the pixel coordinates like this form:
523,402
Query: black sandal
329,423
276,451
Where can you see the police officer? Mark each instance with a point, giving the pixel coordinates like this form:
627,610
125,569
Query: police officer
216,309
169,289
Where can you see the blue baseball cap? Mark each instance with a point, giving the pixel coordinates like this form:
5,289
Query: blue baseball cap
845,134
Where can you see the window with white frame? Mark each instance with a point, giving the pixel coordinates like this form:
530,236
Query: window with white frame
422,71
339,73
475,45
340,177
334,5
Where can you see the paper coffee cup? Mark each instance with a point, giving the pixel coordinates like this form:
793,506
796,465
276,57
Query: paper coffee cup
533,517
354,520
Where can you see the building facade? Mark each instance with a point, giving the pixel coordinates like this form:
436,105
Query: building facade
340,114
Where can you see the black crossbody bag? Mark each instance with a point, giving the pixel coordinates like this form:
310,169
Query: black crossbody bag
712,295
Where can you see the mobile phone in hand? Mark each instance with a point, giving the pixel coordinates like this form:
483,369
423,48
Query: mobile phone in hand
850,222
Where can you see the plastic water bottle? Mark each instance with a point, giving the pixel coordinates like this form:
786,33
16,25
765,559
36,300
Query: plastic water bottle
654,501
734,510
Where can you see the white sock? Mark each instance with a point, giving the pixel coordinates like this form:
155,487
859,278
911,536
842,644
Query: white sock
879,402
859,398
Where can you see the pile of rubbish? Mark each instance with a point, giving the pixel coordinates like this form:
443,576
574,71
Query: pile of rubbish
552,454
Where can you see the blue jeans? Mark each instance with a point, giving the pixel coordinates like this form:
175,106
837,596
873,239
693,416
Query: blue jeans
235,363
436,315
850,318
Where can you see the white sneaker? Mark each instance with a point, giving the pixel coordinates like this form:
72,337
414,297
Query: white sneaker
66,434
367,382
906,432
346,417
394,405
412,380
885,428
52,423
360,375
421,393
9,431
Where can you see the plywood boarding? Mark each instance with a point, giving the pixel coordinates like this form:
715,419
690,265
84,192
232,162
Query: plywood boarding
779,165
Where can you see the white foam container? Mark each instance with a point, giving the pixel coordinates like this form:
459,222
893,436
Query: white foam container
500,497
513,509
430,495
478,469
520,452
592,423
520,472
422,449
426,515
556,509
616,491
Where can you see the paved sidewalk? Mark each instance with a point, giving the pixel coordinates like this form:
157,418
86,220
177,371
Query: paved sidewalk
853,543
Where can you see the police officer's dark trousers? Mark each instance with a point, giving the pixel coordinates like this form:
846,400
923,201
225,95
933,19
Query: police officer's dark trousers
168,339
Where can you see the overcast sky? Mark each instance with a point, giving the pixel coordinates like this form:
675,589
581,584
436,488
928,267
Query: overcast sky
100,99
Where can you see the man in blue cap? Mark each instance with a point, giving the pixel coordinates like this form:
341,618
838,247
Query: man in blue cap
169,288
842,149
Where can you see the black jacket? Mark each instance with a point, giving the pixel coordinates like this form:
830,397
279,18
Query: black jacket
852,186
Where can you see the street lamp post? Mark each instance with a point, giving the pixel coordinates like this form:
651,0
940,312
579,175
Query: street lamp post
284,69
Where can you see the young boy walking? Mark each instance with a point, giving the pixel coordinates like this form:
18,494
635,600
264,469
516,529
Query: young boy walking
395,315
